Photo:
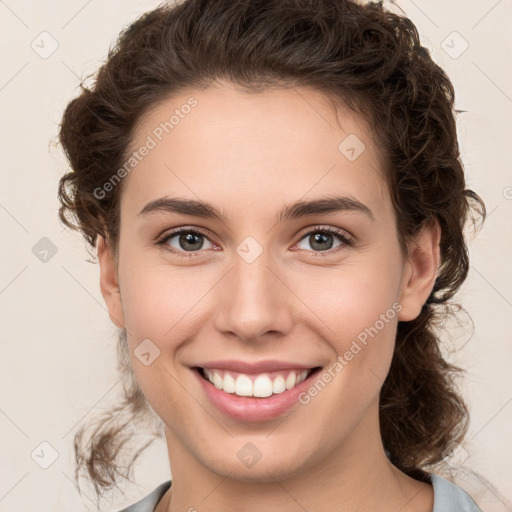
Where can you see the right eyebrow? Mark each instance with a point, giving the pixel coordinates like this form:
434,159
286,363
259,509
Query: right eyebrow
183,206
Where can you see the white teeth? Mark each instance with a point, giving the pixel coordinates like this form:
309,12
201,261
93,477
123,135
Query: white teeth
278,386
229,383
217,380
243,386
262,386
291,380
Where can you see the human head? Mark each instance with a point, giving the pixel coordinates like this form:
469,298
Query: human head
370,60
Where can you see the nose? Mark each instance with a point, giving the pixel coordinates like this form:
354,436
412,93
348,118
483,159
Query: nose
254,301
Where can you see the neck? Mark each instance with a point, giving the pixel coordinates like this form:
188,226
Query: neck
356,476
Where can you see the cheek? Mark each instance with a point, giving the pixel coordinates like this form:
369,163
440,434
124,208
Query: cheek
356,308
161,305
157,300
352,298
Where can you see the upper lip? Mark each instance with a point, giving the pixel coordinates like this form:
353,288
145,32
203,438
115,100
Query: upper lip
255,366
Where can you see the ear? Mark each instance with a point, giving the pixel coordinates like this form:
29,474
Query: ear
109,282
420,271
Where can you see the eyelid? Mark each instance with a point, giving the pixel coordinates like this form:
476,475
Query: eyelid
167,235
342,233
346,239
181,229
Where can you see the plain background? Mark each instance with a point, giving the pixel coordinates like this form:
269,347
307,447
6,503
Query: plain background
57,342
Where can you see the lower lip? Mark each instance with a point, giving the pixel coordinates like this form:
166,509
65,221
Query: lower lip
251,408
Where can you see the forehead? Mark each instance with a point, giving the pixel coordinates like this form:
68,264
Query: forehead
237,148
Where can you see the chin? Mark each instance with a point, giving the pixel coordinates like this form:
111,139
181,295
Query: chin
262,468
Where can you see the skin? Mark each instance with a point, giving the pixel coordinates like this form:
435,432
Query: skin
250,155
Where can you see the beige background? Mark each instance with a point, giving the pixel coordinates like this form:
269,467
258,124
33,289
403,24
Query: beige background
57,342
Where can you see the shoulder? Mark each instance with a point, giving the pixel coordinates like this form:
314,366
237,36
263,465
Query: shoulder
449,497
149,502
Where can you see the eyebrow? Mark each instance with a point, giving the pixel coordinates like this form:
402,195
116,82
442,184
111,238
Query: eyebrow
295,210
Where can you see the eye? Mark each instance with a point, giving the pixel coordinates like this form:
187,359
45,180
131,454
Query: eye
321,240
185,240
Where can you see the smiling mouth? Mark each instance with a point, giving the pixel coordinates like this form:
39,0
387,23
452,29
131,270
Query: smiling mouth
261,385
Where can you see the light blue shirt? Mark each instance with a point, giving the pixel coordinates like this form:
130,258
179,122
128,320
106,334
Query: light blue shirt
448,497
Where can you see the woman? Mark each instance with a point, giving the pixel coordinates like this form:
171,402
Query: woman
276,199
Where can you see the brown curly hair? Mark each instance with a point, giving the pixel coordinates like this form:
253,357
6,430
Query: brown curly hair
362,54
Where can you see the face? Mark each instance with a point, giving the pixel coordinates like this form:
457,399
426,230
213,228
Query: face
256,290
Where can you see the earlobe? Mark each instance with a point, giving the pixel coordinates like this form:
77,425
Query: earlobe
420,271
109,284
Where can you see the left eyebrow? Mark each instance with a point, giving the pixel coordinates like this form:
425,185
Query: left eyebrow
322,206
293,211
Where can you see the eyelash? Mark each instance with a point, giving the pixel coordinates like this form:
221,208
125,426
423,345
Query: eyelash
344,238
